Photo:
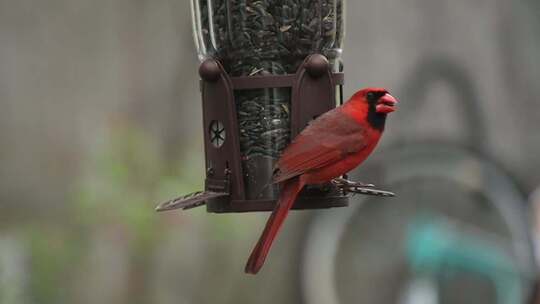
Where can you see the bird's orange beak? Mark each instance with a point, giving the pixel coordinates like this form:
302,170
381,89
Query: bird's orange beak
386,104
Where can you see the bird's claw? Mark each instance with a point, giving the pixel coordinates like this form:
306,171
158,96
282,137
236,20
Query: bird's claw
348,186
345,183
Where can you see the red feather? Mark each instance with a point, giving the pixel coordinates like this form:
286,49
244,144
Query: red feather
327,140
288,196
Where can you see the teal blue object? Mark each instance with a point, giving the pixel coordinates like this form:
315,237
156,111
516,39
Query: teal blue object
435,248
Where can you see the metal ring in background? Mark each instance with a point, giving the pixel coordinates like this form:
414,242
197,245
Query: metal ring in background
433,69
407,167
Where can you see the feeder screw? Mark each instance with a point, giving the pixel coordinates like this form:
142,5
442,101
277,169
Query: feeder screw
209,70
317,65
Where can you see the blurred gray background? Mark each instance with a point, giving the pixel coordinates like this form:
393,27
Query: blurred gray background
100,119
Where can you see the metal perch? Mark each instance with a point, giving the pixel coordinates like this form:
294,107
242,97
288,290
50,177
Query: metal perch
197,199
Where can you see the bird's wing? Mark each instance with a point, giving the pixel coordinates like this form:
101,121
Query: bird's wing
325,141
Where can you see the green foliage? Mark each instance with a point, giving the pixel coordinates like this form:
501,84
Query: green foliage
126,177
123,179
53,254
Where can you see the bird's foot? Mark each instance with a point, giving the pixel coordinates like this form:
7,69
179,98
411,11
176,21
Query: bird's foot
345,183
351,187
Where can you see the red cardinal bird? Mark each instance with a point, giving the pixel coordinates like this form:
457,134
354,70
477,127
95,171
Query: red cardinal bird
330,146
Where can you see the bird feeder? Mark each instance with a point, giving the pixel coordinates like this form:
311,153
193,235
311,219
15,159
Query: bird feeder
268,67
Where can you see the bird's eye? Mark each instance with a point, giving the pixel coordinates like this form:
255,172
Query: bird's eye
370,96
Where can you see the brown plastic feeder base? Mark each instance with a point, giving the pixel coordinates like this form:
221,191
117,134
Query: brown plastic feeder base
306,203
313,92
311,198
333,199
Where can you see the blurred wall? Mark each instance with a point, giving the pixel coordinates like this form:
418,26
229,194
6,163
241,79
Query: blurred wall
70,69
99,100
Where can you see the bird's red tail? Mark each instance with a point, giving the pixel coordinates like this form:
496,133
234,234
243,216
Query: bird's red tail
290,191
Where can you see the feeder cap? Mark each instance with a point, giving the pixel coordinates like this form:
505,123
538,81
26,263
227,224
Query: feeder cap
317,65
209,70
